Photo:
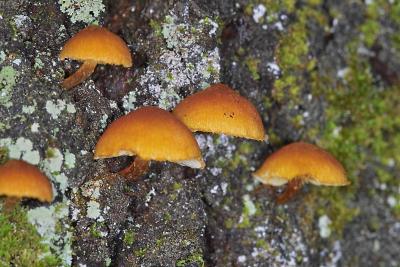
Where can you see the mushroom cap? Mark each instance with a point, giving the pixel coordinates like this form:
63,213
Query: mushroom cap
97,44
302,160
219,109
21,179
152,134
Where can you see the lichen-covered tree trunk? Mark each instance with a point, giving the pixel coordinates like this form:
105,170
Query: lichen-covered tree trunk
325,72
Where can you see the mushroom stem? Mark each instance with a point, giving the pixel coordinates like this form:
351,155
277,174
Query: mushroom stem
137,168
10,203
291,189
80,75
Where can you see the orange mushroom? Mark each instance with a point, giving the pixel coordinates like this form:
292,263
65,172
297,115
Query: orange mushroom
298,163
219,109
94,45
149,133
19,179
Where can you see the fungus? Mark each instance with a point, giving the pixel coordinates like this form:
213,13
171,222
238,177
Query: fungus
94,45
19,179
149,133
219,109
298,163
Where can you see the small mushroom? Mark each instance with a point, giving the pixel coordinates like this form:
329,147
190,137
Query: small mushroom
19,179
94,45
219,109
298,163
149,133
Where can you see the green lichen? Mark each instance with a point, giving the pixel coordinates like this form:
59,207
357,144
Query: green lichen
177,186
229,223
50,152
20,244
195,258
140,253
252,65
129,238
156,26
8,79
261,243
167,217
94,230
249,210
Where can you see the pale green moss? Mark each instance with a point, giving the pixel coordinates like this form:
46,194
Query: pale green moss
252,65
177,186
156,26
20,244
195,258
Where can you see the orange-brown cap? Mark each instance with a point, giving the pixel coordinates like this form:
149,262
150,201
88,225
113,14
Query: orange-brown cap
152,134
219,109
97,44
302,160
21,179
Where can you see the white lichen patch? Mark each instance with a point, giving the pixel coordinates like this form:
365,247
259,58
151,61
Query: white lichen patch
149,196
91,189
22,148
258,13
54,108
323,223
71,108
128,101
20,20
392,201
17,61
206,144
93,211
38,63
8,79
103,122
214,26
69,160
35,127
184,61
274,69
54,160
29,109
2,56
334,255
86,11
249,205
52,224
62,181
242,259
